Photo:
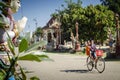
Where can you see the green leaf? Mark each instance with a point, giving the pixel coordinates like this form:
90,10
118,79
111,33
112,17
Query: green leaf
11,47
23,45
34,78
30,57
36,45
27,36
2,74
3,21
42,57
23,74
10,44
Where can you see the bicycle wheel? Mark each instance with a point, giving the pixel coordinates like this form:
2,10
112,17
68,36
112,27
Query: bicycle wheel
100,65
89,63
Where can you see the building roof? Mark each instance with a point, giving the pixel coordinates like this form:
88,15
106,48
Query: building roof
52,24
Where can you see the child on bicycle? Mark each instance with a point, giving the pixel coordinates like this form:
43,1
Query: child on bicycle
87,48
93,51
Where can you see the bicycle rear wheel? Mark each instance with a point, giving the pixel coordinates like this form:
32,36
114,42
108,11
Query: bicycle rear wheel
100,65
89,63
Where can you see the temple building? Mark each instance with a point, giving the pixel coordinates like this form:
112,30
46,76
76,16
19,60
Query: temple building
52,34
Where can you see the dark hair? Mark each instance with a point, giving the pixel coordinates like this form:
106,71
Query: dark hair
5,8
6,0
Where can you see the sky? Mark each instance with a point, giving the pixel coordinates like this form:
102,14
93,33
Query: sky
39,11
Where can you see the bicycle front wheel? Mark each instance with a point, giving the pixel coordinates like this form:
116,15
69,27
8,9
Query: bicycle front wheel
100,65
89,63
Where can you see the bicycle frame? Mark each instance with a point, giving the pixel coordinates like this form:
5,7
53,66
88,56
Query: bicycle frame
99,64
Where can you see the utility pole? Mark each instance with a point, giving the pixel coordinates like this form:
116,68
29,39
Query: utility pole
35,37
35,22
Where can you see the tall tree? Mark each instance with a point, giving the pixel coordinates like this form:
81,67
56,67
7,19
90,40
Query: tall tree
94,21
114,5
39,32
98,20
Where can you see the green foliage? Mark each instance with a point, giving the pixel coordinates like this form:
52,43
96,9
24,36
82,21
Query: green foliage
24,52
27,36
38,32
1,75
34,78
23,45
113,5
30,57
23,74
94,21
35,46
10,45
3,21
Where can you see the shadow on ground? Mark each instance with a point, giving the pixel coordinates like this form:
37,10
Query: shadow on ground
55,51
75,71
112,59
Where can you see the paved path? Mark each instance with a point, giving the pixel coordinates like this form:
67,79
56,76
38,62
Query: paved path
71,67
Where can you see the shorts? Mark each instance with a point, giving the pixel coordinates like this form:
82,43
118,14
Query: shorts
93,53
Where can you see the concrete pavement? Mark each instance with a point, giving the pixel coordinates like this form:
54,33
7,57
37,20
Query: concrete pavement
70,67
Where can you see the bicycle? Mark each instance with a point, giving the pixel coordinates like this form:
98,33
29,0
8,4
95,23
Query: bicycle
99,65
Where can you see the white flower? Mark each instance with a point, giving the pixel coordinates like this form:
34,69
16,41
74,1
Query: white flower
21,24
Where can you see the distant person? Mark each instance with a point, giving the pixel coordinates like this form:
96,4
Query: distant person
111,45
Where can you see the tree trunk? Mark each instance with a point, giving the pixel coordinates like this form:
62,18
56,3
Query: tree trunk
117,36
